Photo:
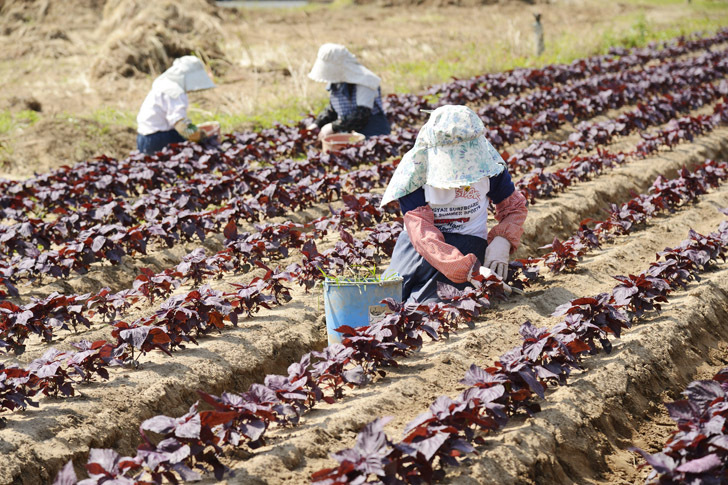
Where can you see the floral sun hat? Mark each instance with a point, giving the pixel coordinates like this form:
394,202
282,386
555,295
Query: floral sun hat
450,151
335,64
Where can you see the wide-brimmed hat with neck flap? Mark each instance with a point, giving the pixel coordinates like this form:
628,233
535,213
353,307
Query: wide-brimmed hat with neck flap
450,151
335,64
187,73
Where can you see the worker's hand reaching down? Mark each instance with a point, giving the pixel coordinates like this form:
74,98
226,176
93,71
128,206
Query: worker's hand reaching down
496,256
487,273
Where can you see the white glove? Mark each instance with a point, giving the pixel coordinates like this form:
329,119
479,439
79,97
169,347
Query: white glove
486,273
326,130
311,126
497,255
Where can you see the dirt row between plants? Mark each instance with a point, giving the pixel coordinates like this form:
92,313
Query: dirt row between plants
107,414
602,410
292,455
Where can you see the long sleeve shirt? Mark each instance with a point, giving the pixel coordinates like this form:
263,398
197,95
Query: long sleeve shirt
426,221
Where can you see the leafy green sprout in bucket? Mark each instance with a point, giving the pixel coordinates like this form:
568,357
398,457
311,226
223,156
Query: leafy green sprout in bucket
360,274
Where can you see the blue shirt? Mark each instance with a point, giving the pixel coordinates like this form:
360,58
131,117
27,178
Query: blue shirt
344,99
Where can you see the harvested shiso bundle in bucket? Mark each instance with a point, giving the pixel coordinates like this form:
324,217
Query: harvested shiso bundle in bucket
336,142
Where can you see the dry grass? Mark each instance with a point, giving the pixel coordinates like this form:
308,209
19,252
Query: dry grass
415,47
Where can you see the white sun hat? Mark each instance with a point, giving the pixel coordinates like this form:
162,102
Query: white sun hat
450,151
335,64
188,73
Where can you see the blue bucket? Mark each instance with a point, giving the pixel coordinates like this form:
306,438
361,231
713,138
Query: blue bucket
356,304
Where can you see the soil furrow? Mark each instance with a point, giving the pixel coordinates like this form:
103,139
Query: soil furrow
437,369
601,409
268,343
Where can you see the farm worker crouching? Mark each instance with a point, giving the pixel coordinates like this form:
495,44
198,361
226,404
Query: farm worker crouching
443,185
162,118
355,96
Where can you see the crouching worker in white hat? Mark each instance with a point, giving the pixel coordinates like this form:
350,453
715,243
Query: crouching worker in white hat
443,186
162,118
356,99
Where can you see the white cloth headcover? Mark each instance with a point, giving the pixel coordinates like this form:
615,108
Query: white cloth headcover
186,74
335,64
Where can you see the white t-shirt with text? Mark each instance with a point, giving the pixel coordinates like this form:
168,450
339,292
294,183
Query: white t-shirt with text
463,210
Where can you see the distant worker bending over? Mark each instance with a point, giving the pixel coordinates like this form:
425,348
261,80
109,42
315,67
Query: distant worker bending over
443,186
355,96
162,118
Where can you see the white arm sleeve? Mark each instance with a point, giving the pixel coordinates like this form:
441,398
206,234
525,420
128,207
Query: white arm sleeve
176,108
365,96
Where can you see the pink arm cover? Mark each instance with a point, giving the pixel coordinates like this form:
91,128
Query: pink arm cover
429,242
511,214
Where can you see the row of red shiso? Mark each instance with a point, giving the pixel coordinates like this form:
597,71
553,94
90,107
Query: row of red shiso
445,433
115,177
111,242
518,117
182,318
664,196
198,439
462,91
657,111
574,107
539,184
697,451
44,317
149,178
292,185
585,98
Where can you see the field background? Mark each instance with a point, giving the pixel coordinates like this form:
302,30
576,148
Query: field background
74,73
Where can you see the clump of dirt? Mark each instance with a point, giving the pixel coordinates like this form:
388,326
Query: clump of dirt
55,141
24,102
145,37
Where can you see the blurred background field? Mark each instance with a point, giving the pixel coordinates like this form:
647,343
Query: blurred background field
75,72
